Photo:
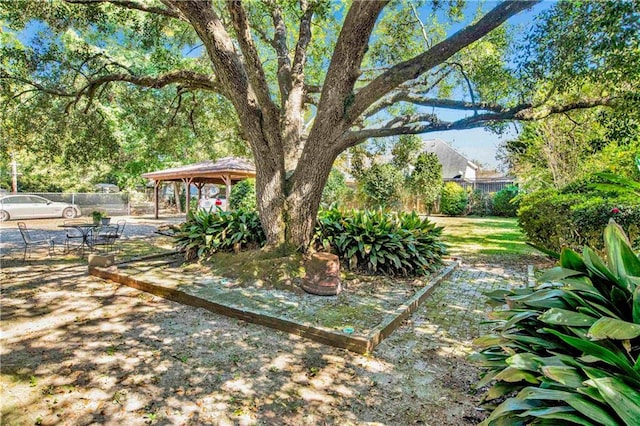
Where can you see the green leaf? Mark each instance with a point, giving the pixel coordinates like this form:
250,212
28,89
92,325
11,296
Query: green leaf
622,261
569,259
489,340
499,390
557,413
517,318
567,376
568,318
524,361
596,266
591,410
544,394
592,393
509,407
612,328
513,375
623,398
542,299
578,402
636,306
558,273
618,360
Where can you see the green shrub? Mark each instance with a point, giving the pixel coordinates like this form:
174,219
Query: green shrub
335,190
546,220
554,221
481,203
504,203
243,195
568,350
453,200
592,215
205,233
377,241
382,186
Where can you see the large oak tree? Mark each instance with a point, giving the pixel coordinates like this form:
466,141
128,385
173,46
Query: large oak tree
307,79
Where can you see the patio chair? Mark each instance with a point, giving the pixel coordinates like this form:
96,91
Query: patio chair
105,236
74,237
33,238
120,230
121,224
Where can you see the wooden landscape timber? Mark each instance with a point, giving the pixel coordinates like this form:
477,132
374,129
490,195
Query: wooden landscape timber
357,344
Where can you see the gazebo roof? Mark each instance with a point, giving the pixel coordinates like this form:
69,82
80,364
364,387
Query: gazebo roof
231,168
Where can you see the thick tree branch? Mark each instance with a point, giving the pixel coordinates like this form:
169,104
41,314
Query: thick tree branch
279,43
426,123
408,97
438,54
258,79
188,79
127,4
260,126
56,92
304,37
344,70
294,102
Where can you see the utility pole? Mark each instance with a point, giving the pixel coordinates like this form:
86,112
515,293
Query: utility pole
14,174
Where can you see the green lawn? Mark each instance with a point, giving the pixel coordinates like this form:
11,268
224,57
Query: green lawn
483,236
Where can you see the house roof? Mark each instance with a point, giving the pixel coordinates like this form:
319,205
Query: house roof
229,168
453,163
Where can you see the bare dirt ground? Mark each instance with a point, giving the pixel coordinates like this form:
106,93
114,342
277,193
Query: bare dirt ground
79,350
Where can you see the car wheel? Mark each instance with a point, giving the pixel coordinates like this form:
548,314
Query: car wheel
4,215
69,213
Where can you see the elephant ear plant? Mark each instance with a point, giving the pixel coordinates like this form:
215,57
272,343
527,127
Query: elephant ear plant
568,350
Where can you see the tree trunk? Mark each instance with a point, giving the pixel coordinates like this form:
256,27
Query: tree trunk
303,200
288,209
270,195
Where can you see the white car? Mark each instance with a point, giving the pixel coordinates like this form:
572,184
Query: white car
33,206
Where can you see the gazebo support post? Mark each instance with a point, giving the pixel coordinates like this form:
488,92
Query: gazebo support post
156,203
199,185
187,183
227,181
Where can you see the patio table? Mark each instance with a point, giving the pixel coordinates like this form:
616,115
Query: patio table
85,229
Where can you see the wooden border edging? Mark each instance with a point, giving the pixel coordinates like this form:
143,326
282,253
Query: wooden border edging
361,345
394,320
149,257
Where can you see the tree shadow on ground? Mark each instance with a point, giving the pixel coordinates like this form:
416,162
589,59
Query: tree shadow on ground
80,350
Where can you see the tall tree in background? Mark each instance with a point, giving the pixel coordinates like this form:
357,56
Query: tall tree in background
426,179
301,95
581,49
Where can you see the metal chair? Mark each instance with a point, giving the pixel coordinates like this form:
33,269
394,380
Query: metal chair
73,234
105,236
38,238
120,230
121,224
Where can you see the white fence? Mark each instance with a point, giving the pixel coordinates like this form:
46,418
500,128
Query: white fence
484,185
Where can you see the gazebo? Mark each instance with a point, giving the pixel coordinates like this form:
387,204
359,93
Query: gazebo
227,171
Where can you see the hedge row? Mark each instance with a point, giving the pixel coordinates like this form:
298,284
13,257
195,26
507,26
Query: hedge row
556,220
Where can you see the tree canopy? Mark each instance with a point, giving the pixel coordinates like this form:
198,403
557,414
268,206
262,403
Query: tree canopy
305,79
